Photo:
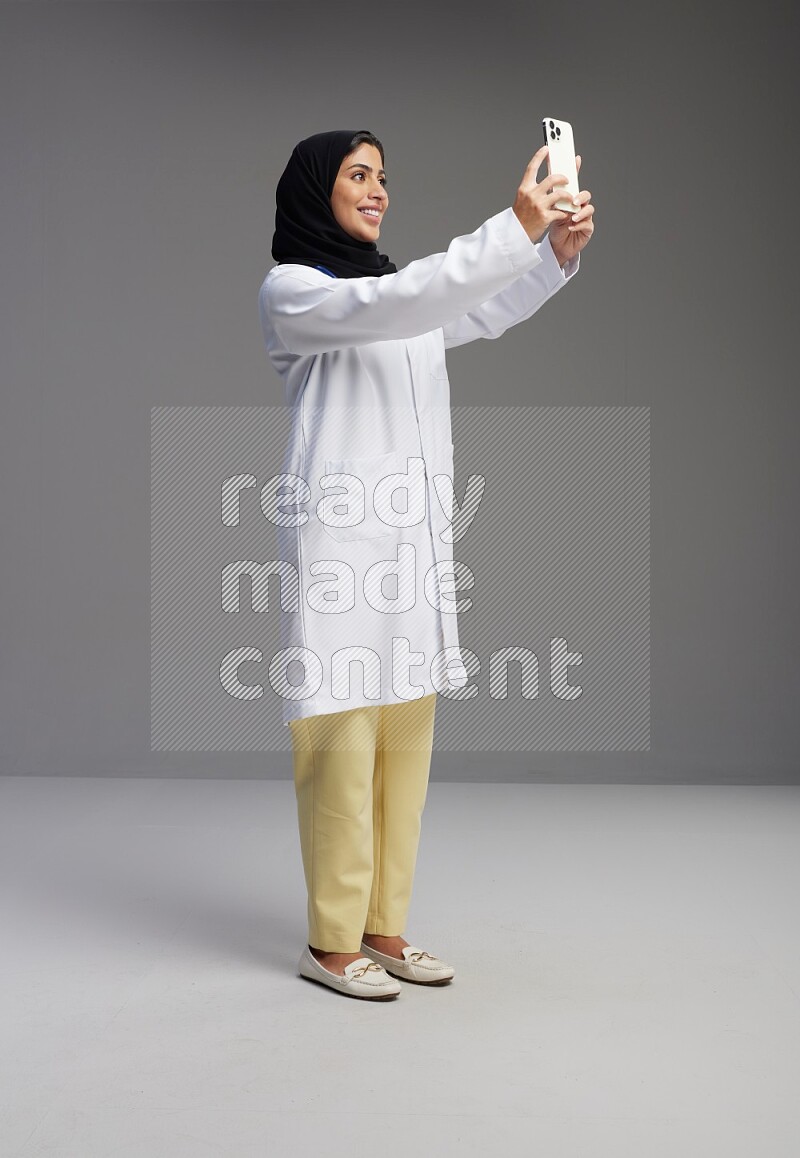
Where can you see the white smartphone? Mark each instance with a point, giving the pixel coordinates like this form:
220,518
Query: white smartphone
561,158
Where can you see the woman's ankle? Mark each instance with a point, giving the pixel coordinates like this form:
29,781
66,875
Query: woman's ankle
334,952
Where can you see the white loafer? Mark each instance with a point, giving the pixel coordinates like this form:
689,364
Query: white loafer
362,978
417,965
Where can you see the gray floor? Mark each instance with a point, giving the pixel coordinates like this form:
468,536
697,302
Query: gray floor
628,975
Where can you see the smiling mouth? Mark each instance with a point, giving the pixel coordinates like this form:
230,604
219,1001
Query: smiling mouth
371,216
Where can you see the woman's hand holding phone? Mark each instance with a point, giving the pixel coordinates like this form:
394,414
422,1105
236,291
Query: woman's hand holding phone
570,232
534,207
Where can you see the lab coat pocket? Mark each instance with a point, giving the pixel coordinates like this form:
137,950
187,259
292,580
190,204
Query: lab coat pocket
349,485
436,357
443,462
444,485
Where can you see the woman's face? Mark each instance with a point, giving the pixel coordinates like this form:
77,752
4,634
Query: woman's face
359,186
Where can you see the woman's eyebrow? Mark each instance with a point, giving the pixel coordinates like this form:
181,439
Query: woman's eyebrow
360,165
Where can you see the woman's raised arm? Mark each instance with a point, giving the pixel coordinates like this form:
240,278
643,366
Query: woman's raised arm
516,303
307,312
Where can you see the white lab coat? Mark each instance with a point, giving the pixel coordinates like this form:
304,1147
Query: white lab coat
363,365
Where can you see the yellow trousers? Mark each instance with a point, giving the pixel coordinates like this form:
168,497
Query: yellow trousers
361,778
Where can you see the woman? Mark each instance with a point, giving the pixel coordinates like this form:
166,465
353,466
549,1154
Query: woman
361,351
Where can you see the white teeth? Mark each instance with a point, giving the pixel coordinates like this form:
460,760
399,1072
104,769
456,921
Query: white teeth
371,212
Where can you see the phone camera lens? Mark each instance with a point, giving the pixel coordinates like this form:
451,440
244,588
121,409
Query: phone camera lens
552,125
558,131
552,136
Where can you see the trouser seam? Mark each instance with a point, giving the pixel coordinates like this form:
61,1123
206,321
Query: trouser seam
381,814
313,814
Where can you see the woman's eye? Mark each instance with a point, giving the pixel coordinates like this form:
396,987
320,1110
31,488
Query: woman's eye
381,179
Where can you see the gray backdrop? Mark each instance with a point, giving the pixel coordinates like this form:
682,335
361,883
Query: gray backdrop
141,145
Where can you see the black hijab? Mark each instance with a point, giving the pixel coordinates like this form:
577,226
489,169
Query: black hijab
306,231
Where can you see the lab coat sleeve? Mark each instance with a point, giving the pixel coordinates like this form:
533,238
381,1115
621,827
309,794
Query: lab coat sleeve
308,315
516,302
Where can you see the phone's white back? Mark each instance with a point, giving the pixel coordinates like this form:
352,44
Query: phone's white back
561,157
